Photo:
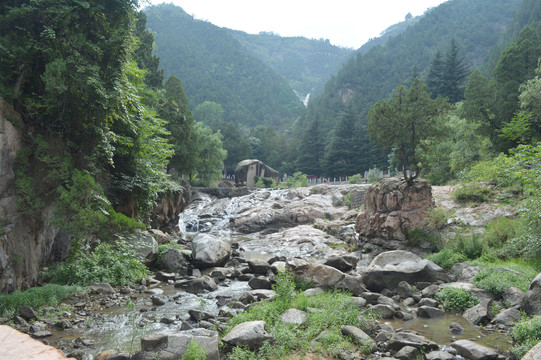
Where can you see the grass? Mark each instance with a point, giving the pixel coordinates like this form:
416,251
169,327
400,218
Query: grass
48,295
526,334
472,193
328,312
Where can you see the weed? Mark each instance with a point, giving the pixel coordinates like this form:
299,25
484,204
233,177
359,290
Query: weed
498,280
473,192
456,299
447,257
526,334
195,351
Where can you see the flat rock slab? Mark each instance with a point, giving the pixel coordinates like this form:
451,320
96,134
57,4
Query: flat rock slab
474,351
17,346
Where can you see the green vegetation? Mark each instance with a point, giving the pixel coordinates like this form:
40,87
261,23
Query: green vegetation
526,334
195,351
374,175
355,179
162,249
456,299
114,264
472,192
48,295
297,180
335,309
498,280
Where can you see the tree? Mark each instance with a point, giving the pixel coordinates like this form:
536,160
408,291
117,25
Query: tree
446,75
209,113
410,118
210,153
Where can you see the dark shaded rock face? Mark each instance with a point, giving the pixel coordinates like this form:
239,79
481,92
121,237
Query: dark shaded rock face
169,206
247,170
390,209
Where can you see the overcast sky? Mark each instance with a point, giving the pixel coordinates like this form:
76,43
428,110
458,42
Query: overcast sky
348,23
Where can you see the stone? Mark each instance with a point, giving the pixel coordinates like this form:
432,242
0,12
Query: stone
390,209
219,273
359,336
247,170
404,338
28,313
197,285
513,296
343,263
278,266
321,275
428,302
371,297
407,353
430,290
293,316
260,282
16,345
251,334
440,355
388,269
257,295
144,245
474,351
534,353
313,291
456,329
429,312
120,356
173,260
209,251
383,311
508,317
359,301
101,288
169,347
157,301
531,304
480,313
409,302
352,284
199,315
259,266
404,290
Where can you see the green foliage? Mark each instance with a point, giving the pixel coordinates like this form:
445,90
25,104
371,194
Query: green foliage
526,334
297,180
163,248
498,280
239,353
284,286
355,179
473,192
374,175
195,351
500,231
447,257
114,264
84,211
437,217
264,182
470,245
456,299
47,295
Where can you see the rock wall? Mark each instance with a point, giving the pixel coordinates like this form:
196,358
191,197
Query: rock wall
247,170
26,243
390,209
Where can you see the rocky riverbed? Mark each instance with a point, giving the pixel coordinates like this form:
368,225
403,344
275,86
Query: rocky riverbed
234,247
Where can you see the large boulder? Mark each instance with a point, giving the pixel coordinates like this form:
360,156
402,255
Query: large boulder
159,346
534,353
251,334
474,351
247,170
209,251
531,304
388,269
391,208
173,260
16,345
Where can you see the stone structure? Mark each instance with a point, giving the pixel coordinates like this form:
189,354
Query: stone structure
390,209
247,170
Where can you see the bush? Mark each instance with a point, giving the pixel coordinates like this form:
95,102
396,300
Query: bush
501,230
195,351
116,265
373,175
48,295
456,299
437,217
297,180
355,179
264,182
472,193
498,280
417,236
469,245
447,257
526,334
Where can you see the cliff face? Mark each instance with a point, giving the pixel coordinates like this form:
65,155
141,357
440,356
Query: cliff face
26,243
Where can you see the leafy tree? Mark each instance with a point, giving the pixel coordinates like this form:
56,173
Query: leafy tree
210,153
209,113
237,146
143,53
410,118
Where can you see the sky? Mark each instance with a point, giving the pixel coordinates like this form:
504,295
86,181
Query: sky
346,23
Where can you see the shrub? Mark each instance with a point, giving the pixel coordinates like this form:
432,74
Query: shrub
355,179
447,257
472,193
116,265
456,299
469,245
373,175
48,295
239,353
264,182
498,280
195,351
501,230
437,217
526,334
297,180
418,236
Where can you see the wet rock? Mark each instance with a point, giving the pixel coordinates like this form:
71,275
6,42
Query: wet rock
101,288
257,295
199,315
251,334
480,313
105,355
513,296
474,351
120,356
404,290
219,273
456,329
38,326
321,275
293,316
384,336
383,311
41,334
168,320
343,263
359,336
260,282
352,284
430,291
508,317
209,251
28,313
409,302
388,301
157,301
404,338
197,285
429,312
531,304
428,302
174,346
173,260
440,355
388,269
407,353
359,301
144,245
259,266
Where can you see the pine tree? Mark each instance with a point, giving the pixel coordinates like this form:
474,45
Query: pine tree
455,73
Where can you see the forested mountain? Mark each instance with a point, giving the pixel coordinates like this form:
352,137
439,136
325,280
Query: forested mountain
214,66
474,27
306,64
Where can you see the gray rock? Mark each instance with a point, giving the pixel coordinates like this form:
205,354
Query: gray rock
173,347
173,260
101,288
343,263
278,266
430,290
404,338
359,336
259,266
313,291
474,351
508,317
28,313
404,290
534,353
209,251
531,304
293,316
260,282
439,355
513,296
407,353
383,311
480,313
199,315
359,301
321,275
456,329
198,285
157,301
388,269
251,334
429,312
428,302
408,302
371,297
219,273
144,245
351,284
257,295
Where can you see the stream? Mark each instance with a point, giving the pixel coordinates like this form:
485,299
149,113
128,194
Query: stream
251,224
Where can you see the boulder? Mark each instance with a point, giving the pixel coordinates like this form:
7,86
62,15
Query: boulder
209,251
195,285
508,317
159,346
144,245
251,334
259,282
404,338
321,275
359,336
343,263
480,313
247,170
101,288
388,269
257,295
390,209
440,355
429,312
473,351
16,345
531,304
173,260
534,353
293,316
407,353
